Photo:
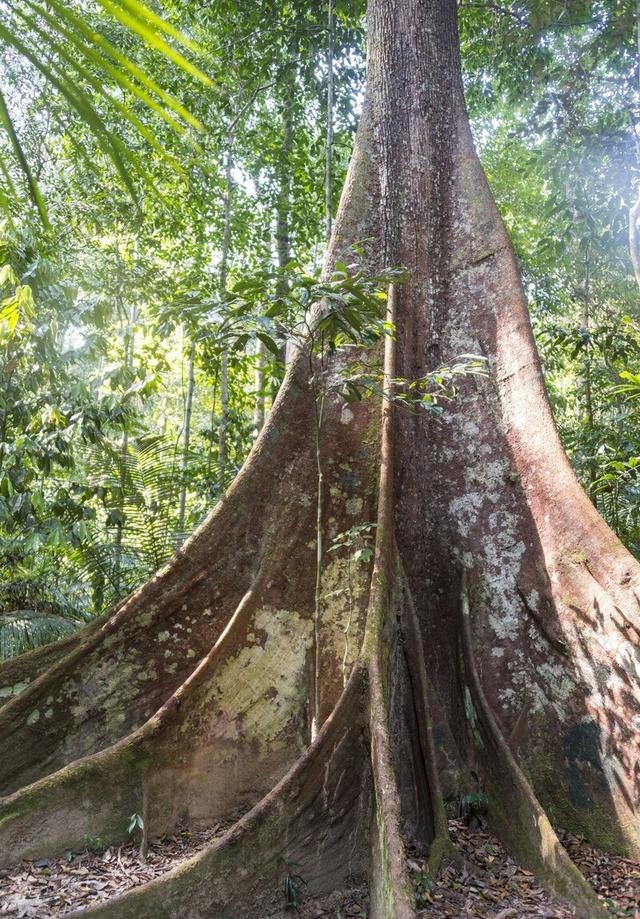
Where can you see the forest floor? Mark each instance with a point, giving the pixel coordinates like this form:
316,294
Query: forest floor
489,884
486,884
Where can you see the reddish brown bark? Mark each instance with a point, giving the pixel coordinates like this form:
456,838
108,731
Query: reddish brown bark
496,632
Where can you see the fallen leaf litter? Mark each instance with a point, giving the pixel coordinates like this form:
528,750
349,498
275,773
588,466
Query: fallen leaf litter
487,884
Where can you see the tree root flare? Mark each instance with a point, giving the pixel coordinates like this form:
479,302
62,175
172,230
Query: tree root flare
515,813
246,871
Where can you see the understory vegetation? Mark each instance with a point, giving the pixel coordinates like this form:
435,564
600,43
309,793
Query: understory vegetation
162,231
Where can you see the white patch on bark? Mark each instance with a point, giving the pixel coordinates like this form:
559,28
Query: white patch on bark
263,686
6,692
561,684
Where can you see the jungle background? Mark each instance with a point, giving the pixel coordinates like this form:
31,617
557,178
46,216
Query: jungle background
166,197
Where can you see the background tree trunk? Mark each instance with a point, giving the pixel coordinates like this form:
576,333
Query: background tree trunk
186,438
497,630
328,170
222,286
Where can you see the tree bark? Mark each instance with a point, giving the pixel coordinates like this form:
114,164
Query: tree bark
497,630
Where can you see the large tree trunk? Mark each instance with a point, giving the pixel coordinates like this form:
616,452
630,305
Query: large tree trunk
496,632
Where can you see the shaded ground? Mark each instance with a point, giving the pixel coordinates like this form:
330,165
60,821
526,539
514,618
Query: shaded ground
50,888
487,884
616,879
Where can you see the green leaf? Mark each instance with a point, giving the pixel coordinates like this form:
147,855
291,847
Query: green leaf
241,341
95,40
269,343
34,191
134,21
100,89
114,149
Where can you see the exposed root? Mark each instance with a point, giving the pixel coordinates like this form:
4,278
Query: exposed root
117,725
442,852
245,871
115,675
487,883
389,887
414,650
546,629
17,673
514,811
173,761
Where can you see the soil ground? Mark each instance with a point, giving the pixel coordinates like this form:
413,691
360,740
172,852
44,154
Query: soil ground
486,884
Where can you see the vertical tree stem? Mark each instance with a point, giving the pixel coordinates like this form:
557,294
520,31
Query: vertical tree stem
328,178
186,438
283,210
634,210
129,321
315,721
259,409
224,268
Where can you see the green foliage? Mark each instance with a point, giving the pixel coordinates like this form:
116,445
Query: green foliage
226,913
558,137
358,540
346,309
134,494
423,885
36,607
291,886
475,800
136,824
43,407
59,45
428,393
101,104
95,844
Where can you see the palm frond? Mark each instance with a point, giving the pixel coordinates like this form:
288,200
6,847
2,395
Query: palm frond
34,191
80,63
79,101
139,18
97,49
97,85
37,606
142,487
26,629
